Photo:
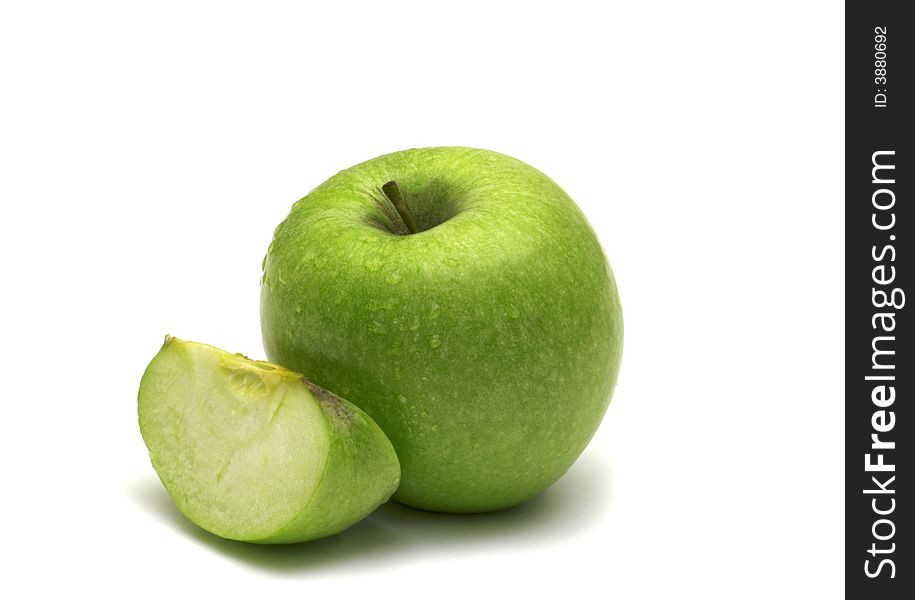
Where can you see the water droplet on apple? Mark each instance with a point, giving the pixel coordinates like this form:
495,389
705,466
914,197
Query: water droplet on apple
434,310
393,278
435,341
454,262
372,263
403,399
298,309
414,324
513,311
377,327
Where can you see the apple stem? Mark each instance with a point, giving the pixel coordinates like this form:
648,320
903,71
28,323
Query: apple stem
392,192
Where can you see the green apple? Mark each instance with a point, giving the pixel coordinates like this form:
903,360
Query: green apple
251,451
461,299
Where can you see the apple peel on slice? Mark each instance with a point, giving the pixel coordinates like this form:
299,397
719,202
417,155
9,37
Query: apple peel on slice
251,451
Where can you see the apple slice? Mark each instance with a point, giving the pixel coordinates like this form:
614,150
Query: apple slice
251,451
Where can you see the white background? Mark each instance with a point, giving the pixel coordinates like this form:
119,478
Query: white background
147,153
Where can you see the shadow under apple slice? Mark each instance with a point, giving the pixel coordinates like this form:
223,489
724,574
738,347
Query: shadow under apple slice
396,533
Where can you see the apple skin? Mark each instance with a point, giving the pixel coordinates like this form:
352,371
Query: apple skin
486,345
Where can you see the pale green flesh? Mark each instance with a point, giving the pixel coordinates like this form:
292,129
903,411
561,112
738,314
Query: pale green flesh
240,445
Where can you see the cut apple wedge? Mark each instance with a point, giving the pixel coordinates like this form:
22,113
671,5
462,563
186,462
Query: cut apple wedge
251,451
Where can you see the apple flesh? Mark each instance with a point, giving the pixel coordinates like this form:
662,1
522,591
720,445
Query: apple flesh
478,322
251,451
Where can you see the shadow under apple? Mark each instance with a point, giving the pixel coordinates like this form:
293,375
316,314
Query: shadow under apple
395,532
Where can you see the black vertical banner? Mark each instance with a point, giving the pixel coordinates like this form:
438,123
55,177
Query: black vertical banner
879,270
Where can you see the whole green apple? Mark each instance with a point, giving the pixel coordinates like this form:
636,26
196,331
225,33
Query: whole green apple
251,451
462,300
